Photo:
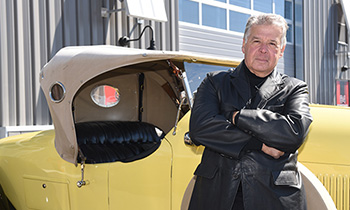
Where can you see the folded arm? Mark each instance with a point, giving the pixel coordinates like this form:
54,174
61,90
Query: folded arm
284,131
210,127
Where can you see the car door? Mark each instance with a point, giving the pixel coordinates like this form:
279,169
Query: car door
142,184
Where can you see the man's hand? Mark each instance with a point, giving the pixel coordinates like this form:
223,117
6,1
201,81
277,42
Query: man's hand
233,117
273,152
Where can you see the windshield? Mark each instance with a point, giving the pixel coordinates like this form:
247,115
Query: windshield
196,72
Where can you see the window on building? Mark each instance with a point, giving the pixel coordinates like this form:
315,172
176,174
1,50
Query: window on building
279,7
290,33
263,6
342,30
288,15
288,10
189,11
235,25
232,15
241,3
213,16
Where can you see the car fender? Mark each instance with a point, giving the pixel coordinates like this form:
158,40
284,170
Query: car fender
317,196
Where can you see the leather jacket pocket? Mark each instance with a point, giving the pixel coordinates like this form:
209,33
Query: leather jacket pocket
287,178
206,171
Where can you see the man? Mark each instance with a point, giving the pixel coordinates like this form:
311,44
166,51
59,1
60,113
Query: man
251,121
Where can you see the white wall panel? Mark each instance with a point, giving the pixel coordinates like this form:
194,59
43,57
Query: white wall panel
199,39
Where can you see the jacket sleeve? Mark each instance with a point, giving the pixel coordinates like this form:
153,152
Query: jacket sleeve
210,127
285,131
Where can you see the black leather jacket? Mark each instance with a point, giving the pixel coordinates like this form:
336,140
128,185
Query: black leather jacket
278,117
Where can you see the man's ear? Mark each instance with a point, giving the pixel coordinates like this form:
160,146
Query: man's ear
282,50
243,44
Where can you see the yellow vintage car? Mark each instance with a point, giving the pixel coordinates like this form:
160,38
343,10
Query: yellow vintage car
120,138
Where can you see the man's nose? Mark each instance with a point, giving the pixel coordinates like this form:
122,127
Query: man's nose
263,48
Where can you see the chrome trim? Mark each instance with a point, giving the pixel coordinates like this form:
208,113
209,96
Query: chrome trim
81,182
63,95
187,88
187,139
183,99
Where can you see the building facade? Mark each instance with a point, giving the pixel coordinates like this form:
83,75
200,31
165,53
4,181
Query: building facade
31,32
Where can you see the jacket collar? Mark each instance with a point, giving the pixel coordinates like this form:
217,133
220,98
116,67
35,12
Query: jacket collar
270,87
240,82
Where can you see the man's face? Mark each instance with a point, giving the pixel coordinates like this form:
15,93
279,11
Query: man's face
263,49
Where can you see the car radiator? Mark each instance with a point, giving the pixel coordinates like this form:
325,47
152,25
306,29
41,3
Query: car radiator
338,187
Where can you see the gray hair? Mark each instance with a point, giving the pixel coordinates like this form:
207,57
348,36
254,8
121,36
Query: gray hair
267,19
